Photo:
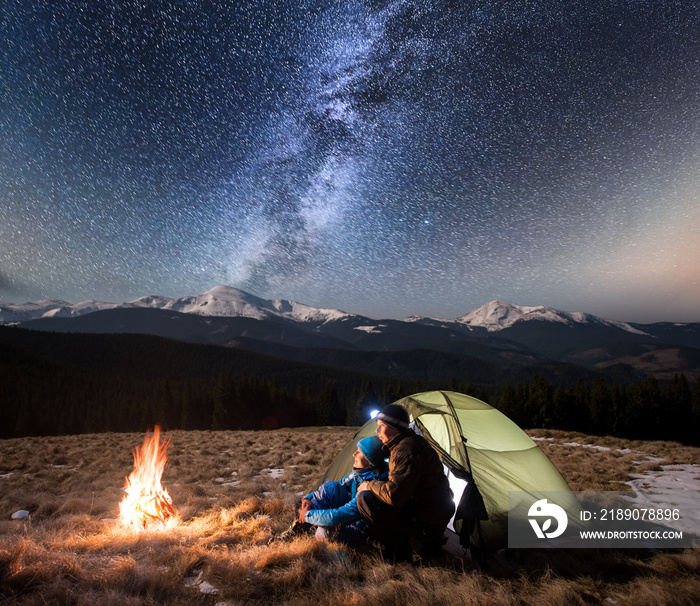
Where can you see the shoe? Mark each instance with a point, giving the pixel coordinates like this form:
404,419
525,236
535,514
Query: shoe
397,550
432,548
432,543
296,529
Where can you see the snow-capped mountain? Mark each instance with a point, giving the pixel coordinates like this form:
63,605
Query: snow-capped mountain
497,332
228,302
220,301
498,315
50,308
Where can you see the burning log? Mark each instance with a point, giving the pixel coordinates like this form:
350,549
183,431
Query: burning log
146,501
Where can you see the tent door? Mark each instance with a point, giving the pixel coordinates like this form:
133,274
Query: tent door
470,504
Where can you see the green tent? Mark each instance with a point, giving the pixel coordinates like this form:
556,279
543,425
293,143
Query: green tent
485,455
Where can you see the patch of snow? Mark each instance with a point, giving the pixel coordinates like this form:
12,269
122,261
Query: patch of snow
576,444
649,459
669,477
674,486
371,329
207,588
7,475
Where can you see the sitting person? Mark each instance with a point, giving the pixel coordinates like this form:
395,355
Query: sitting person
332,508
415,501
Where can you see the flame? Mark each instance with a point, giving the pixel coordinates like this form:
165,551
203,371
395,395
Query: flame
146,501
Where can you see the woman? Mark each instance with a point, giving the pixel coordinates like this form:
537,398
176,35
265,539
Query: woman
332,509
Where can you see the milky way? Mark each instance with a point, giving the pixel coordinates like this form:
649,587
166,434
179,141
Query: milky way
385,158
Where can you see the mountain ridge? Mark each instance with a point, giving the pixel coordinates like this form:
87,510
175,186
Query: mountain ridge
509,335
227,301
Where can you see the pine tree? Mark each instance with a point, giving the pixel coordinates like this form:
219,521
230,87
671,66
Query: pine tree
678,409
539,403
695,414
223,399
600,407
561,400
187,406
643,410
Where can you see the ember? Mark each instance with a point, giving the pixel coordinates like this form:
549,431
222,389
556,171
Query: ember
146,501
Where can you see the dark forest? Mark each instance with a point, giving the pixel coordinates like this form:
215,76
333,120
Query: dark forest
57,384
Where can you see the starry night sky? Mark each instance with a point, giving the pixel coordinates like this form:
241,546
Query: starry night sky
384,158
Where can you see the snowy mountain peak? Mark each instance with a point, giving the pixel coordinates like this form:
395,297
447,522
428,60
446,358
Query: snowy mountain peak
222,301
497,315
226,301
48,308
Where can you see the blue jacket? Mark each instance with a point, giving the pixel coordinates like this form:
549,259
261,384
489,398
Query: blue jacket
347,513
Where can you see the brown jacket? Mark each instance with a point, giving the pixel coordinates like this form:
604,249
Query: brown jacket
416,477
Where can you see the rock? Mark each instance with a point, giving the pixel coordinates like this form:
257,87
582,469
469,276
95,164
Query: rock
194,580
20,515
207,588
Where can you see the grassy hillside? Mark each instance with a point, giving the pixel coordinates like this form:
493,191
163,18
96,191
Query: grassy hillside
234,490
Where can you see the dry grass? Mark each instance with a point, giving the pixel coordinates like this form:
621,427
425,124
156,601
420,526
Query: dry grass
230,502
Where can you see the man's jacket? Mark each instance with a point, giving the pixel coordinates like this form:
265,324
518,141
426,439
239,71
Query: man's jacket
416,478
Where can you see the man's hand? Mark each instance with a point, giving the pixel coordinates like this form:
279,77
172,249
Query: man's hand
363,486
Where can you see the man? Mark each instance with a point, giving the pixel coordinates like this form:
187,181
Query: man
415,501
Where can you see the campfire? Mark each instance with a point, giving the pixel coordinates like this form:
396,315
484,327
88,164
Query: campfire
146,501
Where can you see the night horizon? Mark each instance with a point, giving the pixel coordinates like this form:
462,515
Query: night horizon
384,158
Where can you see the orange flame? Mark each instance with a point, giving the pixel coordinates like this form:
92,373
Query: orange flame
146,501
